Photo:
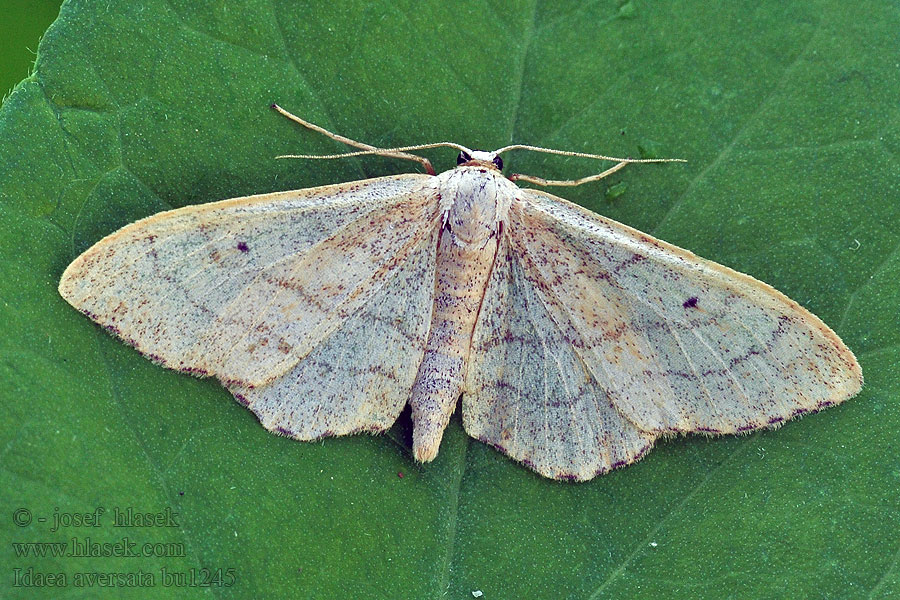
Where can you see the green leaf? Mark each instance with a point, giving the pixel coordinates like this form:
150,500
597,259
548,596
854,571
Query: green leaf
20,30
787,113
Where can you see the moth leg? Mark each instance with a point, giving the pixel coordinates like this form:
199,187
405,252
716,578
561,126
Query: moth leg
566,182
345,140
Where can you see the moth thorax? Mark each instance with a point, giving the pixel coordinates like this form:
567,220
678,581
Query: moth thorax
481,200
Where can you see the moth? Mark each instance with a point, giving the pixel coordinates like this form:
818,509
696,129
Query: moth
574,341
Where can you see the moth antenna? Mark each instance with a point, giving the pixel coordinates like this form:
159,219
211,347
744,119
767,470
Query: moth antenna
585,154
365,148
620,162
380,151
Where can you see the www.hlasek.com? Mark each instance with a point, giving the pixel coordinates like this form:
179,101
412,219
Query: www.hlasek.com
88,548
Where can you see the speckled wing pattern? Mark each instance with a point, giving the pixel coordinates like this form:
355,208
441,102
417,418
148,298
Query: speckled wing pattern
358,379
594,339
528,392
246,289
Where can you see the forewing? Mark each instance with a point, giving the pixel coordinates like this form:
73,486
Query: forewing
529,394
359,378
221,289
678,343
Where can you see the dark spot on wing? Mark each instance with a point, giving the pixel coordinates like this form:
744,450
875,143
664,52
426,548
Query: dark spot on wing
690,302
243,247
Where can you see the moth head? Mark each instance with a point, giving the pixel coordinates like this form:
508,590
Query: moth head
480,158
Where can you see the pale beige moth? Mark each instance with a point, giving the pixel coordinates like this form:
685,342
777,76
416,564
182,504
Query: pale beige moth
574,341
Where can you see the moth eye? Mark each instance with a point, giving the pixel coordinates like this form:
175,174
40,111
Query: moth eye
498,162
463,157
